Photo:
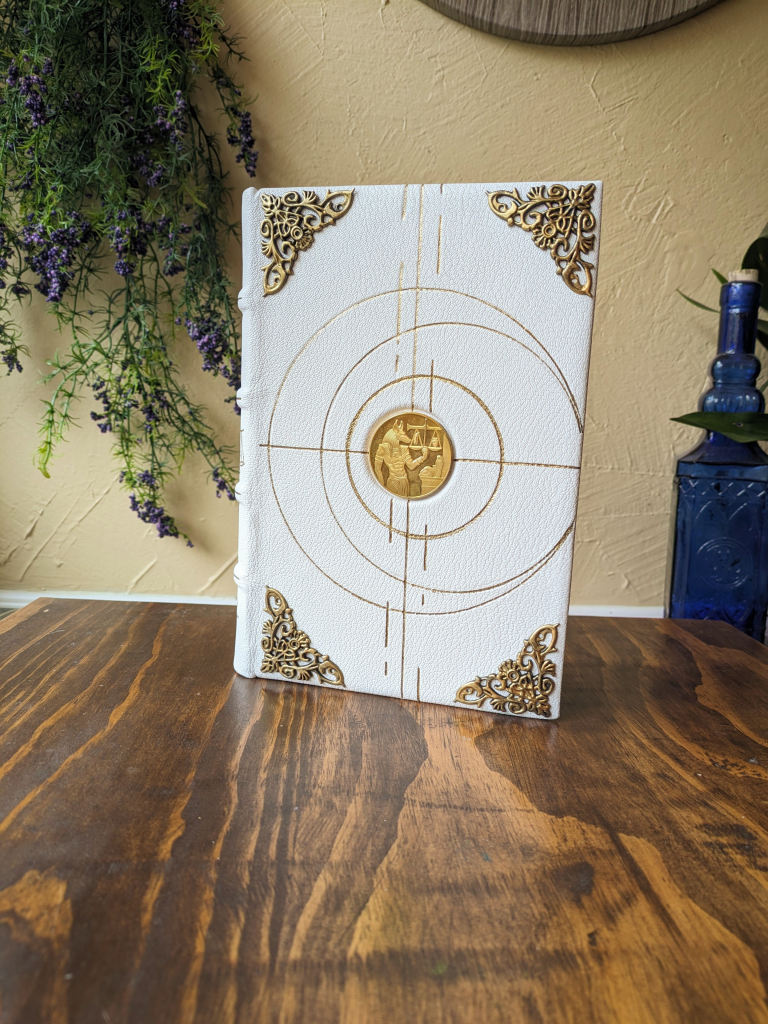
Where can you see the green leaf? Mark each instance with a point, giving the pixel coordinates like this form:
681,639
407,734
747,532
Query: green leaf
719,276
693,302
739,426
756,258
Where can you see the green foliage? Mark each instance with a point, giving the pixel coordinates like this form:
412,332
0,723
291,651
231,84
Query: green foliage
739,426
755,258
113,205
693,302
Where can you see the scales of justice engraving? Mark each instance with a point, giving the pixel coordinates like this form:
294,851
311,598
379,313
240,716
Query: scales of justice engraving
411,455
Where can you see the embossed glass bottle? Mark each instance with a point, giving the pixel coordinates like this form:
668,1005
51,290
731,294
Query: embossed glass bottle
720,561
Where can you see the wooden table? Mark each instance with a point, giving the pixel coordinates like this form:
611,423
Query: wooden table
179,844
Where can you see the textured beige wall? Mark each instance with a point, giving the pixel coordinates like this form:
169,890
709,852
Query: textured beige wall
366,91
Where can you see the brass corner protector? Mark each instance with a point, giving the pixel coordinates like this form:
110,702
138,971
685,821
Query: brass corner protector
519,686
289,652
289,226
559,220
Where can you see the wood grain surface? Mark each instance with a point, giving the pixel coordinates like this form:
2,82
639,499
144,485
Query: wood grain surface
570,22
178,844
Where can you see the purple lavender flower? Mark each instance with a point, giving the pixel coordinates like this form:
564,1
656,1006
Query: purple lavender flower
102,419
10,353
222,487
149,511
11,360
172,123
171,266
241,134
153,409
212,340
25,184
5,253
130,239
180,25
33,89
51,253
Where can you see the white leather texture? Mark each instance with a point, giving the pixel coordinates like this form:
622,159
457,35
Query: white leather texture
418,293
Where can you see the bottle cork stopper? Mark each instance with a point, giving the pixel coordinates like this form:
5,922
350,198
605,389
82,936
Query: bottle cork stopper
744,275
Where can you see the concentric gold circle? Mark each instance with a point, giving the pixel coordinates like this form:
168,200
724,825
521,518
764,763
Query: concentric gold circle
276,452
411,454
350,433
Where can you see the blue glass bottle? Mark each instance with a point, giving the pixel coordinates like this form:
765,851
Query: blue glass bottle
720,561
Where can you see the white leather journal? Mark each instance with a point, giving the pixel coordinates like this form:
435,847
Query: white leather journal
414,380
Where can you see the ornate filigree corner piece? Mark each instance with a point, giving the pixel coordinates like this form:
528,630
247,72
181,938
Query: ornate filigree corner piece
519,686
559,220
289,652
289,226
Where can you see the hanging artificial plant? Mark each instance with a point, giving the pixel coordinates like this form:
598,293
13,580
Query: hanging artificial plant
113,206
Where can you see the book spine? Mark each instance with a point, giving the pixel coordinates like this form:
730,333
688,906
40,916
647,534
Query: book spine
248,603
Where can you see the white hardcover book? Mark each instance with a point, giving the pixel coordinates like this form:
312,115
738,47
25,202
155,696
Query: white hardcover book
414,380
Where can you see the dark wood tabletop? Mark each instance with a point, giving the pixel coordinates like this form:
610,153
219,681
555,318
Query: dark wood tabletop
181,845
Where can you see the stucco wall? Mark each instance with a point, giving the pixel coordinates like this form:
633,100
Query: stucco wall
367,91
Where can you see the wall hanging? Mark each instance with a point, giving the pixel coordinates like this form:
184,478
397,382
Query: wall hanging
570,22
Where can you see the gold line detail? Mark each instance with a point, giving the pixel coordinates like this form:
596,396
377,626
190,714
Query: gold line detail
529,573
518,687
480,327
307,448
533,569
351,430
385,667
552,366
289,652
425,547
405,201
386,627
391,500
495,462
416,304
439,238
361,451
559,375
431,384
399,300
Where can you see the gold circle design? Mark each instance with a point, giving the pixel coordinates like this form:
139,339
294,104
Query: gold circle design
410,454
550,364
348,447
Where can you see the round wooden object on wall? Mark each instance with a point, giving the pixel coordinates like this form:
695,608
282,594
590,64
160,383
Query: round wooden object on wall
570,22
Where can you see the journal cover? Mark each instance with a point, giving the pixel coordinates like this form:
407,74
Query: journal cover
414,379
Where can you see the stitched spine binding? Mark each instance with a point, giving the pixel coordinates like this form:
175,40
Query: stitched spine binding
247,646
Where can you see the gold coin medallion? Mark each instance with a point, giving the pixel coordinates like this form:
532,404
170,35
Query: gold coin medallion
411,454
